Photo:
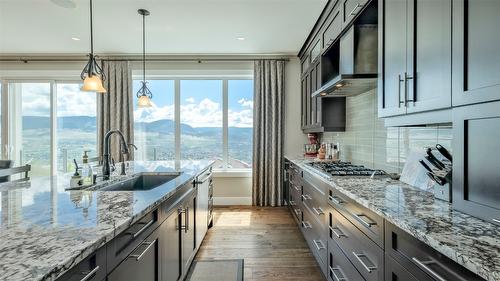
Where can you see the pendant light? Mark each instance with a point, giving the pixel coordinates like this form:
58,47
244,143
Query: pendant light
92,74
144,95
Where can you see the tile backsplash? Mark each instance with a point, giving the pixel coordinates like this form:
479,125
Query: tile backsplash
368,142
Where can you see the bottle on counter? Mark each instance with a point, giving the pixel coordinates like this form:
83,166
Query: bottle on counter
87,173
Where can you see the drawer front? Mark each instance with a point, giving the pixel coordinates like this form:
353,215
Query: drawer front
422,261
93,268
333,29
350,9
339,267
314,197
294,201
396,272
315,236
123,244
295,175
363,253
367,221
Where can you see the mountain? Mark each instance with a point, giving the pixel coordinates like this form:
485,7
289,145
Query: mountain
88,124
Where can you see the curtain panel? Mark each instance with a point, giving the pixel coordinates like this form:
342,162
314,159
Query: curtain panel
115,108
269,93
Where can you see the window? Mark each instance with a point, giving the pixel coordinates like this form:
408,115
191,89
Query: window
214,121
201,120
52,123
76,124
154,128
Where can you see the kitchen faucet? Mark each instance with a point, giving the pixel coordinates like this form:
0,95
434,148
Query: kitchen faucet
106,169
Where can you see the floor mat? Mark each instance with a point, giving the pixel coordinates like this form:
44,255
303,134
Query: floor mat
216,270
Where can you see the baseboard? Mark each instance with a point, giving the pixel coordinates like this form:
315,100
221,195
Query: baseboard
224,201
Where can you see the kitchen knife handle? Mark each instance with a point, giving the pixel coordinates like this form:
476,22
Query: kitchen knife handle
444,152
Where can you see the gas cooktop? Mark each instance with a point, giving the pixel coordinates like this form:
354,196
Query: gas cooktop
345,169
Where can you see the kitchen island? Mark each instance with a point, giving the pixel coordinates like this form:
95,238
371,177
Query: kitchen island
46,229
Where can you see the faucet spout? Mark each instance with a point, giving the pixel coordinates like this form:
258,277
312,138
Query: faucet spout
106,157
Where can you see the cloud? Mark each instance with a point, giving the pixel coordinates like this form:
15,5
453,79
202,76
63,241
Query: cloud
246,103
73,102
154,113
243,118
190,100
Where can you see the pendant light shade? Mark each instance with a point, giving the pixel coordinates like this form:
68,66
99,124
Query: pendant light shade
92,74
144,95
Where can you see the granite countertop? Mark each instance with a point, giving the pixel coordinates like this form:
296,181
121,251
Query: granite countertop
45,229
469,241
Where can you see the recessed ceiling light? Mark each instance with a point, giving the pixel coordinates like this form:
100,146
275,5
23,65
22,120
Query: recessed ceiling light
75,38
69,4
241,38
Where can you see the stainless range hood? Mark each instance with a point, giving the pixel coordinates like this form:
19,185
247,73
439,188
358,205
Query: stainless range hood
350,68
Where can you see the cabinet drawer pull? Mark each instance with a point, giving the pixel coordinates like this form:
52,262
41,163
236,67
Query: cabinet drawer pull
135,235
318,211
368,268
337,278
306,224
339,235
297,211
319,245
336,200
306,197
368,223
292,203
138,257
353,12
424,267
186,214
90,274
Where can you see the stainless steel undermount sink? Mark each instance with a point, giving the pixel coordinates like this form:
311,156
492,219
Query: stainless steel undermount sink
141,182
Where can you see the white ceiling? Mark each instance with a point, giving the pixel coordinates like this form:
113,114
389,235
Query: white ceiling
174,27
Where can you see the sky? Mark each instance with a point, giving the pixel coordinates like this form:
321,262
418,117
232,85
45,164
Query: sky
201,102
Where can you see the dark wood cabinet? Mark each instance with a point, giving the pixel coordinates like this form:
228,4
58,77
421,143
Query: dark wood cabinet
93,268
476,149
351,9
143,263
414,56
171,249
333,28
188,237
476,60
396,272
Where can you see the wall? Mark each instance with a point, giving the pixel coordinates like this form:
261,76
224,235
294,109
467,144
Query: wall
368,142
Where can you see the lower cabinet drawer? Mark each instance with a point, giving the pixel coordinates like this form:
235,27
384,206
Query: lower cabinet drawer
421,260
315,235
93,268
364,254
339,267
396,272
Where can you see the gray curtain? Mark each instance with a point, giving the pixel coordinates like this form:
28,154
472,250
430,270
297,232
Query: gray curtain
115,108
268,132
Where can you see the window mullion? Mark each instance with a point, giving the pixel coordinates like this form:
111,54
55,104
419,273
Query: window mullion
53,128
225,147
177,119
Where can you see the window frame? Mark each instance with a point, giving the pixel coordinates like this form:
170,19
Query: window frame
225,111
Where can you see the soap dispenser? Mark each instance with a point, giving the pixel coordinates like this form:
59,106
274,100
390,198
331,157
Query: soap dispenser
87,173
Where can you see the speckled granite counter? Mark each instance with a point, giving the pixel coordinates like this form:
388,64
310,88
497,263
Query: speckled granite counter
471,242
45,229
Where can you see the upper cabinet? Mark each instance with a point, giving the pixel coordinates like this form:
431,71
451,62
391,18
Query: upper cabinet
414,56
476,59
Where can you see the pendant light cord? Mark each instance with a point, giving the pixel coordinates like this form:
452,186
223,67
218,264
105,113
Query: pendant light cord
144,48
91,30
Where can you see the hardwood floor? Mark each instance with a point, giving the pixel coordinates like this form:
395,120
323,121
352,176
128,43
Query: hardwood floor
267,239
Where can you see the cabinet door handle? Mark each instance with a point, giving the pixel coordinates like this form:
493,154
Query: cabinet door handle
339,235
407,77
296,188
138,257
90,274
399,91
135,235
297,211
368,268
306,197
186,214
369,223
424,267
337,278
319,245
353,12
306,225
318,211
181,211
